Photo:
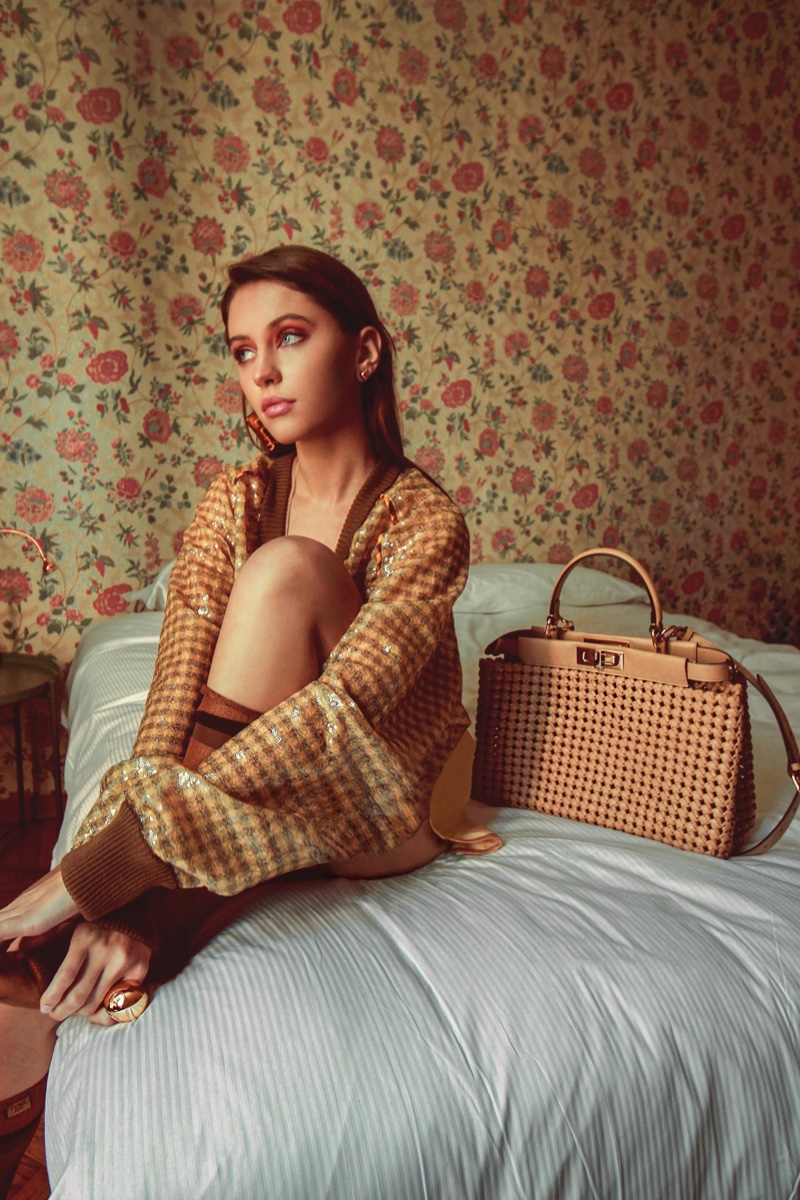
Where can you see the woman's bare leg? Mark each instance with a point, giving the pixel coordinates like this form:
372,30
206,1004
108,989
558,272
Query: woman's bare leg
291,603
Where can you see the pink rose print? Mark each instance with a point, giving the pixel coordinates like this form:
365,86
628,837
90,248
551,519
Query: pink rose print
390,145
23,251
185,310
111,601
152,177
515,10
530,131
413,66
522,481
34,504
271,96
575,369
231,153
733,228
404,299
619,97
537,282
228,396
586,496
122,244
66,190
208,236
15,586
75,445
592,163
502,234
543,416
430,459
205,470
128,489
439,247
457,394
157,426
602,306
100,106
450,14
317,149
559,212
303,16
182,51
108,367
551,62
9,342
468,177
345,88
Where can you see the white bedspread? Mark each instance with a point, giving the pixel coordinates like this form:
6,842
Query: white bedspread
582,1014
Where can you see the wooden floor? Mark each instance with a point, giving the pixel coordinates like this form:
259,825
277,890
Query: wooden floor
24,856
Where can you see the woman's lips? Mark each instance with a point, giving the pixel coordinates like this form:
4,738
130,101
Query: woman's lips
275,406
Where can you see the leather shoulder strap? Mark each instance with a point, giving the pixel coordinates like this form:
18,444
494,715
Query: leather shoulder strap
792,757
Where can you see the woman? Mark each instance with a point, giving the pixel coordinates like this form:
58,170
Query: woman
306,693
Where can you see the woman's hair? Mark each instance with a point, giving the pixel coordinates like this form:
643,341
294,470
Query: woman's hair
338,290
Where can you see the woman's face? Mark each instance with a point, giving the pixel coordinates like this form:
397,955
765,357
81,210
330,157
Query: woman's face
298,370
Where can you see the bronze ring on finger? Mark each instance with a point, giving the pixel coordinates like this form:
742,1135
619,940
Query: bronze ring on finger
126,1000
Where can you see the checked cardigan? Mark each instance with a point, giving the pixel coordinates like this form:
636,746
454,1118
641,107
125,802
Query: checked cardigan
346,766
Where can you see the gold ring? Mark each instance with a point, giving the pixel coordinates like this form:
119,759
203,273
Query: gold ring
126,1000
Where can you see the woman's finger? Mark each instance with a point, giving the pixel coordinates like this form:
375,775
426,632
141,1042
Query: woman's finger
64,978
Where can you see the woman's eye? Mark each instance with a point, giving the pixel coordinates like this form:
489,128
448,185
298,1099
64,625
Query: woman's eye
289,337
242,354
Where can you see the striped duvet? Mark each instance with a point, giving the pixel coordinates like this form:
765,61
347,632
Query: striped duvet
582,1014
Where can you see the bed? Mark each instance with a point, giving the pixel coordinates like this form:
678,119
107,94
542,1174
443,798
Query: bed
581,1014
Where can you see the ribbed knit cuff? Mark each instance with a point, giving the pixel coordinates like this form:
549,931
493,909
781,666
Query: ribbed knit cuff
113,867
136,919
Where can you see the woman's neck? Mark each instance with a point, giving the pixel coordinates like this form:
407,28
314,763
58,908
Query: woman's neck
329,475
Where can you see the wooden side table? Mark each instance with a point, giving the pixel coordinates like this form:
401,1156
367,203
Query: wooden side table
25,677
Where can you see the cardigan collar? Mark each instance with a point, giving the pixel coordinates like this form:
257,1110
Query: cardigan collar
272,523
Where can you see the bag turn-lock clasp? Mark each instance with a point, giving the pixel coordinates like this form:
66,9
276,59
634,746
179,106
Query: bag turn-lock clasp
600,659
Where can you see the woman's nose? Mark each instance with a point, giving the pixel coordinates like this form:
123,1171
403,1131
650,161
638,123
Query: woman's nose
266,368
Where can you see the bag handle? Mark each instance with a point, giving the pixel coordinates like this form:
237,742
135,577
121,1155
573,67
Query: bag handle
555,622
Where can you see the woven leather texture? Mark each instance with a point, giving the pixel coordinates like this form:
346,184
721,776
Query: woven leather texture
670,763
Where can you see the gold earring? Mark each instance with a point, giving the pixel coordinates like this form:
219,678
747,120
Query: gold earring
255,426
364,374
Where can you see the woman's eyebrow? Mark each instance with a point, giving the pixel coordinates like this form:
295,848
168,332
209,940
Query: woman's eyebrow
290,316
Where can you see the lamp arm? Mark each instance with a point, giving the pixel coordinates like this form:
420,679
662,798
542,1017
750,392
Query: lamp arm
47,563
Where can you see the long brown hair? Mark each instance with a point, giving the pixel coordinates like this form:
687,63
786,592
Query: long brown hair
341,293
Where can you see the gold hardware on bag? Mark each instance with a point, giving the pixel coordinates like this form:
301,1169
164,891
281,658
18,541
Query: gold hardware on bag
601,659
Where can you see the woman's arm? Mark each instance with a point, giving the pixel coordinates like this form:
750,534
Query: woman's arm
344,766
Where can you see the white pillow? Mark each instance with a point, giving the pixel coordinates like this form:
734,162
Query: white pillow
154,595
503,587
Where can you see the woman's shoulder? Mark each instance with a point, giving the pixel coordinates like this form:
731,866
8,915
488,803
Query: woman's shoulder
417,490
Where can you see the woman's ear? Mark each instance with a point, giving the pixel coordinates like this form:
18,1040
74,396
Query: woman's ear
369,353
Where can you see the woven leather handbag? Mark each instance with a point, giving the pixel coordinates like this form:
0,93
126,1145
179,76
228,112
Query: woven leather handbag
650,736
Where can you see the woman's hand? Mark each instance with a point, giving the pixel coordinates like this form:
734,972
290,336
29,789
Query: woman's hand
41,907
97,959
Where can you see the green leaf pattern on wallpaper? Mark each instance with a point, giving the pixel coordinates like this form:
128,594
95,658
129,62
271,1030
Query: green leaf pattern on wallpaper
580,219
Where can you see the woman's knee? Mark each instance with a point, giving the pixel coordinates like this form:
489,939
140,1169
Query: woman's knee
298,568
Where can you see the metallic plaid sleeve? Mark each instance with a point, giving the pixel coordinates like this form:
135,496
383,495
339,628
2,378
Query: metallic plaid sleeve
346,765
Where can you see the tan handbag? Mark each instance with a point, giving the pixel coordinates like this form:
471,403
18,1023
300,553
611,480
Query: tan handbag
650,736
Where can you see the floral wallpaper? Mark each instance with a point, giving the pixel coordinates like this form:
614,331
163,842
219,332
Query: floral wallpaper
580,219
